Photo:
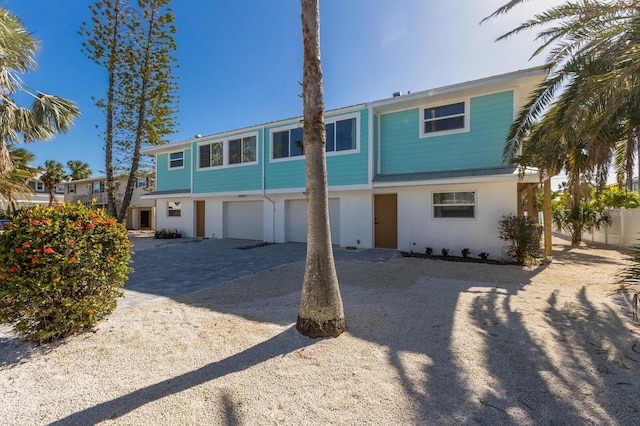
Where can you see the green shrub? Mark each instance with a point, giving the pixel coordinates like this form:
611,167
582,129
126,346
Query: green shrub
61,270
165,234
524,235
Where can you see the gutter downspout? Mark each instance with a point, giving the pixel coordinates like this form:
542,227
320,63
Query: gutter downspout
264,195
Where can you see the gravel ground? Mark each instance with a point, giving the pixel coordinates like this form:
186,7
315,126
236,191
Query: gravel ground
427,342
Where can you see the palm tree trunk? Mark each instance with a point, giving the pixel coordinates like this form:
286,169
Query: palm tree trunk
321,313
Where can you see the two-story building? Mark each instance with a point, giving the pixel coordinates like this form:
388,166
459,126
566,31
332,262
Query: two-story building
39,196
141,212
412,171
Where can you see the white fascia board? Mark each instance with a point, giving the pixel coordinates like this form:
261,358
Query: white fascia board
417,98
528,178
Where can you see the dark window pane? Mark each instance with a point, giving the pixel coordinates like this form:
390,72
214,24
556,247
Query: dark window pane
281,144
205,156
444,124
235,151
346,134
297,142
454,211
216,154
249,149
176,159
330,129
446,110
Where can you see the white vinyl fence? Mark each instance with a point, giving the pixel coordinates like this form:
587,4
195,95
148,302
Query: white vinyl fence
624,230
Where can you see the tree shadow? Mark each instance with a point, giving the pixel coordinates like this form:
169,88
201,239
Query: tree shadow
284,343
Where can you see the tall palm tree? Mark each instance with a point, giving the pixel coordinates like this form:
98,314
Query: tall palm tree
321,312
593,58
48,114
14,184
78,170
52,176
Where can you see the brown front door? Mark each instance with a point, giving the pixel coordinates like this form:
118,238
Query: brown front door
386,220
200,219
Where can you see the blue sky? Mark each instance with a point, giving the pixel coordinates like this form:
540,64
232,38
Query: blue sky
240,62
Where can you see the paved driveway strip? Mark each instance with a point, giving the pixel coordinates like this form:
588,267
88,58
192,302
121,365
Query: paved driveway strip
169,268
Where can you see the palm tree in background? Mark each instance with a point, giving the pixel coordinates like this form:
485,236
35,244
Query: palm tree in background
52,176
14,184
48,114
589,105
78,170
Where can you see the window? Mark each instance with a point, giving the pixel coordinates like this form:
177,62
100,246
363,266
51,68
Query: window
60,189
174,209
288,143
341,136
71,188
445,118
142,182
97,187
39,186
242,150
211,155
454,204
176,160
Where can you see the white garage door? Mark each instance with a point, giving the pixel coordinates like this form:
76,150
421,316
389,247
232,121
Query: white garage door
296,220
243,220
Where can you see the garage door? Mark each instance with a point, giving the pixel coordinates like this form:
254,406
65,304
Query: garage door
296,220
243,220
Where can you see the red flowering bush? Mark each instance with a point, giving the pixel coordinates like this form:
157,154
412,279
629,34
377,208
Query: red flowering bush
61,270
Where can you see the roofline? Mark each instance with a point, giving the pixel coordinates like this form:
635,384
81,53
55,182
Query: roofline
459,87
173,145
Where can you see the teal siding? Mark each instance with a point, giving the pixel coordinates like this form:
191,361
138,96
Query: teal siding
173,179
229,179
342,169
403,151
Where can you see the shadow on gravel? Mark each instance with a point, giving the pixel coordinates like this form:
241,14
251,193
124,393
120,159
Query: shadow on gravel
282,344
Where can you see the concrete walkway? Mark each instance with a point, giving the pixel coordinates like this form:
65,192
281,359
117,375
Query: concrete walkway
169,268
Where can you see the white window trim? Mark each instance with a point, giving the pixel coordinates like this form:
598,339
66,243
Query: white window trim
178,210
475,205
225,152
39,187
467,118
169,160
328,154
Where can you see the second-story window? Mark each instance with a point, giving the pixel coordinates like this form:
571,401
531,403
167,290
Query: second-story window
176,160
288,143
211,155
71,188
97,187
341,136
444,119
242,150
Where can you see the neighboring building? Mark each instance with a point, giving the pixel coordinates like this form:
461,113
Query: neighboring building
40,195
635,184
423,168
92,190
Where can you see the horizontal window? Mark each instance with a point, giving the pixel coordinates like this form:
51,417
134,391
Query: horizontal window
445,118
176,160
242,150
341,136
454,204
288,143
174,208
222,153
211,155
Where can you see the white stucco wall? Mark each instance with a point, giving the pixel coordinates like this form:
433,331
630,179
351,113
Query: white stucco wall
416,223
